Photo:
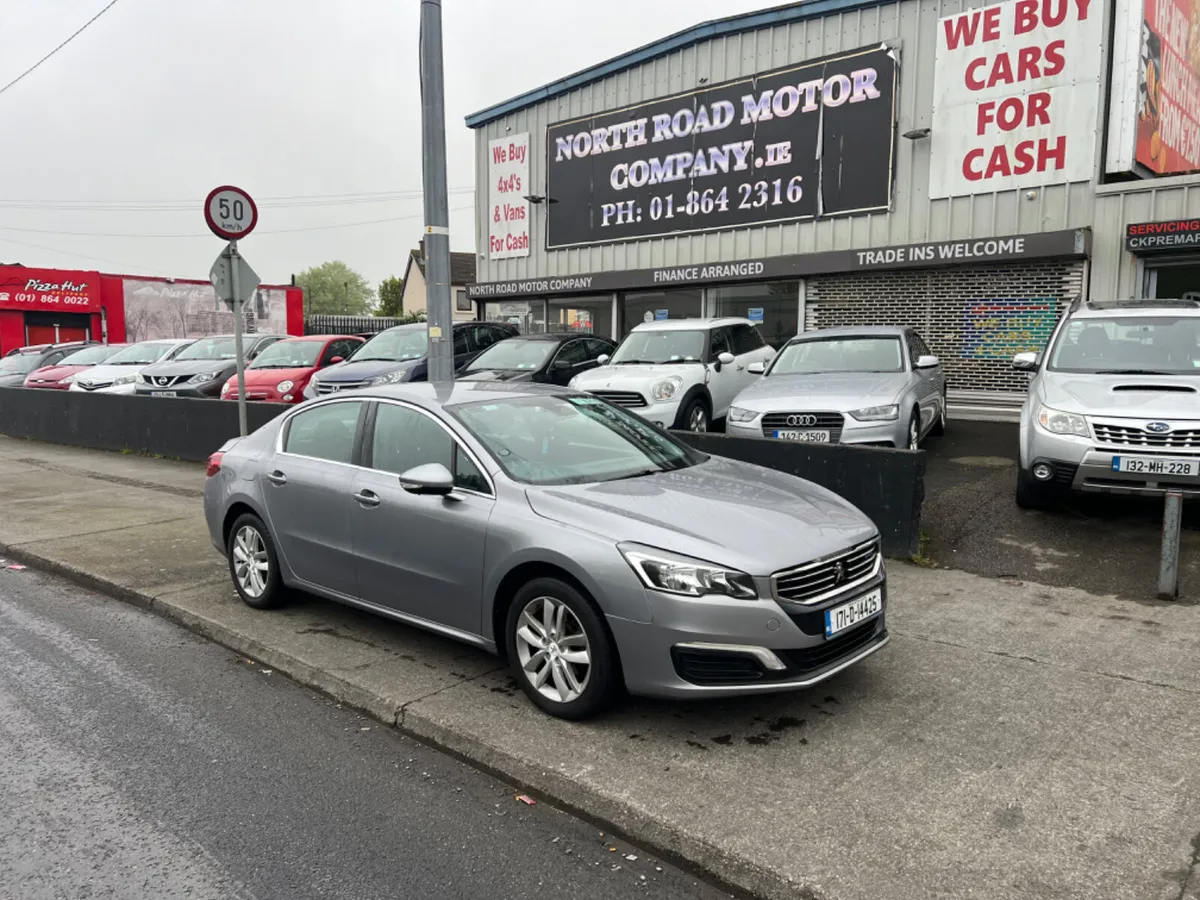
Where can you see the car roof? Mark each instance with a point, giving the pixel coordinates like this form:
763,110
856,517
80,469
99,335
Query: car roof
854,331
319,337
46,348
691,324
433,396
553,336
1135,308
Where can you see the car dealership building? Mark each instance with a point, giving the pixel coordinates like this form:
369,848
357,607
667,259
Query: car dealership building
841,162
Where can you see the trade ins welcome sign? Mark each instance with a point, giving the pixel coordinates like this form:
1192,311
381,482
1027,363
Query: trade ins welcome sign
1016,96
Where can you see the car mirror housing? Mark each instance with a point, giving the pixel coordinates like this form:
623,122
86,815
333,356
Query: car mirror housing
756,368
335,361
726,358
928,361
603,359
430,479
1025,362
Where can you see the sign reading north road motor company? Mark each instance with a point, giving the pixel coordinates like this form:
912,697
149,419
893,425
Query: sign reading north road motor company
1175,236
907,256
814,139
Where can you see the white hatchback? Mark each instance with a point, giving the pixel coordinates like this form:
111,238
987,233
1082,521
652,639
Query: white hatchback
680,373
119,373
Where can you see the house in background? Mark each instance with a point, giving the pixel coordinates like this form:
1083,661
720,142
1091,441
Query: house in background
462,273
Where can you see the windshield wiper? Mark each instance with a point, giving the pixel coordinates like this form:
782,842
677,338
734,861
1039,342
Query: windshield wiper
640,474
636,362
1135,372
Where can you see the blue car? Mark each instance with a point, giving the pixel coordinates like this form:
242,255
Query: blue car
401,354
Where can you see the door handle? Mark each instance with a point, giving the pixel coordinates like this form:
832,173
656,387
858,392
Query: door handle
277,477
367,498
741,368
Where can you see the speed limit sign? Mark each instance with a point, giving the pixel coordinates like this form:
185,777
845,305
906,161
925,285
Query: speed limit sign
230,212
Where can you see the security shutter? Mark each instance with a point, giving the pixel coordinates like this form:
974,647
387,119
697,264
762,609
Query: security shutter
973,317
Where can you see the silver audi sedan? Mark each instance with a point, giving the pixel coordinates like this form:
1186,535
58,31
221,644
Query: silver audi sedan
588,548
877,385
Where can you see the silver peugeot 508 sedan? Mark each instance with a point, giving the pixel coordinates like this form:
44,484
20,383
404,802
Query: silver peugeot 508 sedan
584,545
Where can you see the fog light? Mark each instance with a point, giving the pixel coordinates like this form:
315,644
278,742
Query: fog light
1043,471
287,398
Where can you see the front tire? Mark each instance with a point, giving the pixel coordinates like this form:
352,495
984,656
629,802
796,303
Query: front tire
939,427
560,651
914,431
1031,494
253,563
695,416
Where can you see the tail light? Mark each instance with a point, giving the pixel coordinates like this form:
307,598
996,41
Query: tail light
214,464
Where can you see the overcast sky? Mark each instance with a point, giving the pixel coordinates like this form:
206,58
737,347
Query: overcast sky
161,100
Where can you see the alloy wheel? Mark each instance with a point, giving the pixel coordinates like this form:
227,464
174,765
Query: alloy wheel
553,650
914,434
250,563
698,421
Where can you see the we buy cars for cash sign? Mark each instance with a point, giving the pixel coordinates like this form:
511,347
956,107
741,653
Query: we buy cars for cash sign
1016,96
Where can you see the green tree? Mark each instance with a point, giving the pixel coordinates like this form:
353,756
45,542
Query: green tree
333,288
391,290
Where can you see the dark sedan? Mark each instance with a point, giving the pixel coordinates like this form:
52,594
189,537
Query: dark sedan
544,358
202,368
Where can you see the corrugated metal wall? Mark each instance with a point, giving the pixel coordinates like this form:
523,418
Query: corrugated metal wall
914,218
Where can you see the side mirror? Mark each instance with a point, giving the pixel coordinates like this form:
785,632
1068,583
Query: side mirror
562,365
335,361
756,368
927,362
603,359
431,478
726,358
1025,362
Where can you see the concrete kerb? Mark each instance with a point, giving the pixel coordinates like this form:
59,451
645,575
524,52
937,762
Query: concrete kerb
617,818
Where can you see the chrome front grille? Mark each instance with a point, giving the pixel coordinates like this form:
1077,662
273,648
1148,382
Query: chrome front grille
627,399
162,381
334,387
1133,436
804,421
93,385
815,581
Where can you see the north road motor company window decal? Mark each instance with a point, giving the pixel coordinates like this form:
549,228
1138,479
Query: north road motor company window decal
814,139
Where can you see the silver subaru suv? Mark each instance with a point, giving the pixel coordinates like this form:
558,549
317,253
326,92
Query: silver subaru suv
1114,402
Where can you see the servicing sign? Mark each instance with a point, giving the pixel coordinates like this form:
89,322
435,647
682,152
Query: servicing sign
810,140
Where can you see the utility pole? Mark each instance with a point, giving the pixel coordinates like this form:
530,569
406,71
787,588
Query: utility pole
439,320
346,302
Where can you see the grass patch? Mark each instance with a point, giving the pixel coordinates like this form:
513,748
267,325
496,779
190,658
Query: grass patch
921,557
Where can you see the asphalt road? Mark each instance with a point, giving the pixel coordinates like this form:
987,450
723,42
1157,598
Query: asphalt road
1105,544
139,761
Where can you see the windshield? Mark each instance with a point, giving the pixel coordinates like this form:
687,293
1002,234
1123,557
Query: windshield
825,355
571,440
139,354
518,354
19,364
89,356
289,355
395,345
210,348
1159,345
655,346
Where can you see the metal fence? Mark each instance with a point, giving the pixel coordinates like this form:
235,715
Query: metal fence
325,324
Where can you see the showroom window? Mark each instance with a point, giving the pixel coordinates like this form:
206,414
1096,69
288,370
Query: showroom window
528,315
774,307
582,315
658,305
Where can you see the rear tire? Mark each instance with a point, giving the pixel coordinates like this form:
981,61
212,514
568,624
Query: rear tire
560,650
1031,494
253,563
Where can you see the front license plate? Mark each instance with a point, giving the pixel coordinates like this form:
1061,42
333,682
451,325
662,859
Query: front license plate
850,614
804,437
164,394
1157,465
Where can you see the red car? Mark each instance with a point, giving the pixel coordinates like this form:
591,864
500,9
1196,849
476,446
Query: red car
281,372
57,377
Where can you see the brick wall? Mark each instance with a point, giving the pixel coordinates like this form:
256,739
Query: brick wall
973,317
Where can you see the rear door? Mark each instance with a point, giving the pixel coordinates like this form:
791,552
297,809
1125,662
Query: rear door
308,487
928,388
749,347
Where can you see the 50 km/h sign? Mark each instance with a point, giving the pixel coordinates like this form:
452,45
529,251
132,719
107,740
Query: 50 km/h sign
230,212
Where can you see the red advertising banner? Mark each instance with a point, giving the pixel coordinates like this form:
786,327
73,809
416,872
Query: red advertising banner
1168,132
49,289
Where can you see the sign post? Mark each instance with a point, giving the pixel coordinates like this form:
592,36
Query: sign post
231,213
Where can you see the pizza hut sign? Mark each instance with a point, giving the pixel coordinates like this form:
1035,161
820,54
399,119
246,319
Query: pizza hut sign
1017,89
46,289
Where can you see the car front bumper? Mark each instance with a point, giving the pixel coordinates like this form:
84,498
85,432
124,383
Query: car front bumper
1083,464
759,646
892,433
194,391
126,389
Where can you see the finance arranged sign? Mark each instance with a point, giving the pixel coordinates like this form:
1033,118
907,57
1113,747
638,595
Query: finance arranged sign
1016,96
815,139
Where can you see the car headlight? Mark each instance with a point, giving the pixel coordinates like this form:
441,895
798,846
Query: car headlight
1058,422
389,378
204,377
125,379
688,578
284,386
141,379
70,379
877,413
737,414
667,388
572,383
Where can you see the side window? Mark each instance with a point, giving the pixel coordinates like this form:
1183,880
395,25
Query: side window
342,348
259,348
485,336
467,474
405,438
462,343
598,348
573,352
718,343
746,339
324,432
910,339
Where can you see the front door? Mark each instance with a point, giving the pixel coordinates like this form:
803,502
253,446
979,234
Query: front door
419,555
929,381
725,384
308,492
